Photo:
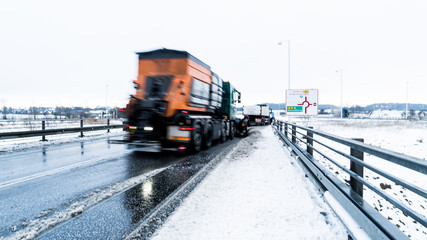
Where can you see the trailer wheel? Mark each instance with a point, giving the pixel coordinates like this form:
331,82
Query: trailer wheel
245,132
232,130
207,139
196,139
223,132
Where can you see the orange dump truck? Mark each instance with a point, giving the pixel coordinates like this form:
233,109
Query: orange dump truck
179,104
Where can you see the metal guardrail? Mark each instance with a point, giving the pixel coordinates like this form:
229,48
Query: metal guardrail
44,132
350,196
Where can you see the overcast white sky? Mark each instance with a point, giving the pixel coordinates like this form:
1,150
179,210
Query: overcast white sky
65,53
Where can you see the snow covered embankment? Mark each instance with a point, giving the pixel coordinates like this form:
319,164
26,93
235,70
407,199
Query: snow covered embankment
406,137
257,192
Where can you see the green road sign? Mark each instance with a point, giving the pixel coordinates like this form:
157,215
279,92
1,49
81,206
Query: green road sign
294,108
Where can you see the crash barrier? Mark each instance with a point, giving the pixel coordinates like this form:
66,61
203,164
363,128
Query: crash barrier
314,149
44,132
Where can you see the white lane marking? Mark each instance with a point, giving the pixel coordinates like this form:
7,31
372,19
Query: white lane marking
58,170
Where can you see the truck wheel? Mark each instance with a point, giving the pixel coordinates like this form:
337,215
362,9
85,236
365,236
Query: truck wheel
223,132
207,140
196,139
232,130
245,132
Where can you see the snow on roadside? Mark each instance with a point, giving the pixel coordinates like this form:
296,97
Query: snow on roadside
257,192
407,137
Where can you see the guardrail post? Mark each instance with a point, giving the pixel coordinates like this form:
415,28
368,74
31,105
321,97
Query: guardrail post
286,129
294,134
354,184
81,125
310,142
108,125
44,128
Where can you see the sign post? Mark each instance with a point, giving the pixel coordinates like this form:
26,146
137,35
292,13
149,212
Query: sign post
302,102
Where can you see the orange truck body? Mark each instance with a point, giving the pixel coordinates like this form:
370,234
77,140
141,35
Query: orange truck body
184,70
179,103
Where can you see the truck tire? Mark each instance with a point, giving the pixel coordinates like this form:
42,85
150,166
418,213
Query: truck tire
245,132
232,130
196,139
208,137
223,132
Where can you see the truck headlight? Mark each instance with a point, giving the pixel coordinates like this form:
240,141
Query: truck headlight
147,128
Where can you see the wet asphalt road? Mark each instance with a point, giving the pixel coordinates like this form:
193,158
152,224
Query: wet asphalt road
37,185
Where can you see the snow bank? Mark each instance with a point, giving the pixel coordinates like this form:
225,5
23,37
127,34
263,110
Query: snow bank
257,192
386,114
407,137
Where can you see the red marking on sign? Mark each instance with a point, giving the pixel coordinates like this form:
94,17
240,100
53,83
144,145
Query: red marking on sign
309,104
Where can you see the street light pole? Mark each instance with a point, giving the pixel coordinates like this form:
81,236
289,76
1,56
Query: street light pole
406,112
106,99
289,68
341,92
289,62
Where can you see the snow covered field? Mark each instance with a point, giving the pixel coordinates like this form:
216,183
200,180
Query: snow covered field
22,124
12,145
31,142
407,137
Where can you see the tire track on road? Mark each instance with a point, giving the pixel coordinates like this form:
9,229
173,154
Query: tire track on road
40,225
